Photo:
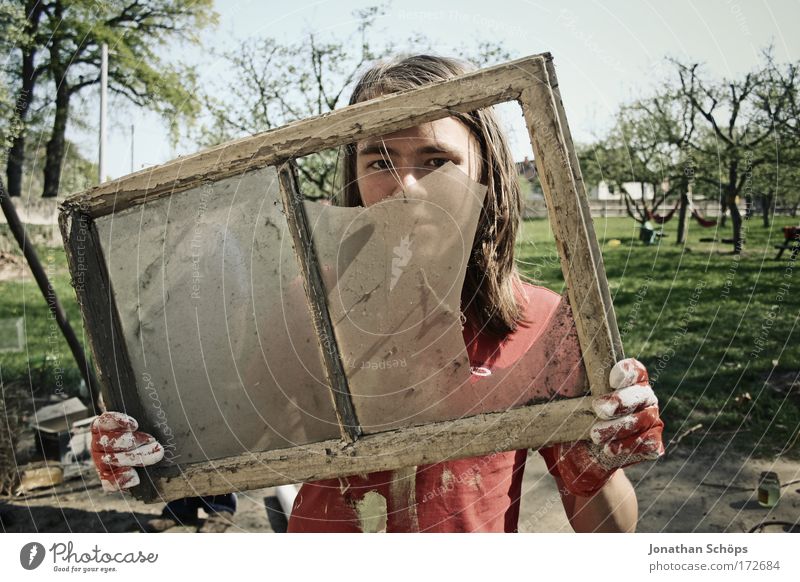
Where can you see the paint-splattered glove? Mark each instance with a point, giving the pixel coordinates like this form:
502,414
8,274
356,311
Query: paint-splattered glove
117,447
628,431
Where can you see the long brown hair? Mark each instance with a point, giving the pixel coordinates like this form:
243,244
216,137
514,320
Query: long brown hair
492,286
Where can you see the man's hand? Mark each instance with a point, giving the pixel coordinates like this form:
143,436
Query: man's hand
628,430
117,447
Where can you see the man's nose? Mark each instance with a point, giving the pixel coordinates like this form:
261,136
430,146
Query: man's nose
407,177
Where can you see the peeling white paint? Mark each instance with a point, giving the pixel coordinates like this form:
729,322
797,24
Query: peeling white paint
474,480
123,442
403,498
600,430
371,512
447,478
625,399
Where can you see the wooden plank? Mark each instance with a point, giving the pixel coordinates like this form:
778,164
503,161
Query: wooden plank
303,244
568,211
586,214
349,124
520,428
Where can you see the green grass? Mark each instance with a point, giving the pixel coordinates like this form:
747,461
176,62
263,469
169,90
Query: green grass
717,332
45,364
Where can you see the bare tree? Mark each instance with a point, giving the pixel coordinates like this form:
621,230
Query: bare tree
670,124
641,148
781,102
274,83
737,127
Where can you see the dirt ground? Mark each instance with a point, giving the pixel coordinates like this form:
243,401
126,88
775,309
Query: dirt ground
12,267
690,490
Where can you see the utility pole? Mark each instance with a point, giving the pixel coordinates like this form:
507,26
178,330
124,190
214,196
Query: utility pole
132,129
101,162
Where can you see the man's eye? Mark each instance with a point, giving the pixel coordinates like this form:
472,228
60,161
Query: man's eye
380,165
438,162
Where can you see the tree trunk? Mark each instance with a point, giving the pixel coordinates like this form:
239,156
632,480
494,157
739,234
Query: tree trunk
645,210
683,224
766,208
16,154
733,205
723,210
736,220
55,147
16,159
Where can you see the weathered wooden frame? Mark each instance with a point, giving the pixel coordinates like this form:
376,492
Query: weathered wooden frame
532,82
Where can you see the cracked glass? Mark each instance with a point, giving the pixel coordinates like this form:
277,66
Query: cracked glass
221,340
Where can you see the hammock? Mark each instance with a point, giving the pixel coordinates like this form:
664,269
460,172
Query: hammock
658,219
651,215
704,222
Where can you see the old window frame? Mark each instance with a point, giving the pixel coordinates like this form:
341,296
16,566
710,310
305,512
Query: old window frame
532,82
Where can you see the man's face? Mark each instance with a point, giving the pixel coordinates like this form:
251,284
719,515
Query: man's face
387,164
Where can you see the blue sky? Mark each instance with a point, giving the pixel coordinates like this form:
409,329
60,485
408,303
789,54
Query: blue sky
606,52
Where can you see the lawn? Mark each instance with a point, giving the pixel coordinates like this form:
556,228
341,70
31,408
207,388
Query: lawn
717,331
46,360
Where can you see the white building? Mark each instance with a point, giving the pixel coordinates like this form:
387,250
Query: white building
604,191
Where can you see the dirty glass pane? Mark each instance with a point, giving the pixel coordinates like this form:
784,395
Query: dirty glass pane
394,273
222,344
215,320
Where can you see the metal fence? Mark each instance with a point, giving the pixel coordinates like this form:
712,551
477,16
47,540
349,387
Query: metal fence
614,208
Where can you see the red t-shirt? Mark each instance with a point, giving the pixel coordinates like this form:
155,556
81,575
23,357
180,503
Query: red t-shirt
478,494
